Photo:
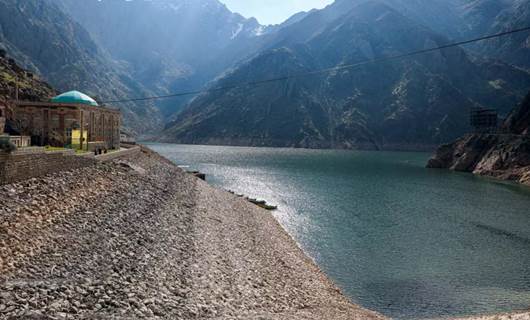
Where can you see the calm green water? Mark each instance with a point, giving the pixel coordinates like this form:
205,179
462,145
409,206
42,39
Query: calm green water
406,241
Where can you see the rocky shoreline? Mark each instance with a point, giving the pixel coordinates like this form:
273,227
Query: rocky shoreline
503,155
140,238
504,316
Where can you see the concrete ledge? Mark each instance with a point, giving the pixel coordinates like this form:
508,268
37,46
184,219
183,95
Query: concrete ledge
123,153
41,150
28,150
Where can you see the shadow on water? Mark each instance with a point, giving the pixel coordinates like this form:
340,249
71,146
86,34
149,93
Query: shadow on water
410,299
503,233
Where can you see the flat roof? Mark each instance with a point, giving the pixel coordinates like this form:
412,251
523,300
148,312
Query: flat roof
64,105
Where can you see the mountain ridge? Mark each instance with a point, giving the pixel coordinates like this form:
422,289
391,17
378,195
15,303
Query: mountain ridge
148,48
419,102
169,45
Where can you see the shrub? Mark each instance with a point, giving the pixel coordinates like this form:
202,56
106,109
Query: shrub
7,146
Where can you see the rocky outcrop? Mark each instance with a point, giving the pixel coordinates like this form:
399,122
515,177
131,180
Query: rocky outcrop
519,120
505,156
30,87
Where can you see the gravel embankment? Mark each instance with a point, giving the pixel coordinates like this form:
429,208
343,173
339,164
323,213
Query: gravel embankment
139,238
506,316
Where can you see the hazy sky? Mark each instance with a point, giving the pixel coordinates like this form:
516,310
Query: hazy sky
273,11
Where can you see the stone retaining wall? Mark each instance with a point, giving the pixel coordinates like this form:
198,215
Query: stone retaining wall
27,164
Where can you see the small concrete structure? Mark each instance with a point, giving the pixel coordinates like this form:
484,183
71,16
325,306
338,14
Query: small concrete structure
127,138
20,141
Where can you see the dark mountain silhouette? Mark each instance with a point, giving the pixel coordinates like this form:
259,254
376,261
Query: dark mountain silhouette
169,45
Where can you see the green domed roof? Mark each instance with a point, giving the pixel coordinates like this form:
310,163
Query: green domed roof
75,97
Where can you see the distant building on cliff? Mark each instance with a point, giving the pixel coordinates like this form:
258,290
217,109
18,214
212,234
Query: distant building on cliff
484,120
70,120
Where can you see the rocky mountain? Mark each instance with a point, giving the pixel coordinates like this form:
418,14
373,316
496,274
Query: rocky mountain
45,40
116,49
519,120
455,19
481,17
30,87
411,103
465,19
504,156
515,48
169,45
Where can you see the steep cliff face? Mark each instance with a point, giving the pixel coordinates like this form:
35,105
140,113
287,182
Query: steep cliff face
519,120
464,19
169,45
505,156
412,103
482,17
30,87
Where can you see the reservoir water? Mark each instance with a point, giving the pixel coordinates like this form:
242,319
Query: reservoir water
409,242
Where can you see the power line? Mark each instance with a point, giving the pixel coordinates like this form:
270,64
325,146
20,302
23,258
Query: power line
323,71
